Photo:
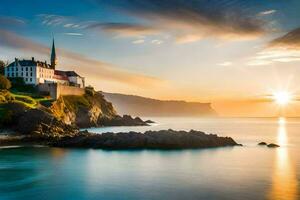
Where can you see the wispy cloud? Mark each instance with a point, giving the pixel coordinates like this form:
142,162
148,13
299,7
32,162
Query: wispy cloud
283,49
138,41
227,63
291,40
73,34
189,21
267,12
8,22
157,42
124,29
63,21
92,67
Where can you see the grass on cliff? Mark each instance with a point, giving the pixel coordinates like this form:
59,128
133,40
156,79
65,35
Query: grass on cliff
74,102
29,100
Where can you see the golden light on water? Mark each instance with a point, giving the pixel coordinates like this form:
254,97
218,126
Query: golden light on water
284,179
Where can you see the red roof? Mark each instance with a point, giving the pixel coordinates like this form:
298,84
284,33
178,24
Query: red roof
60,75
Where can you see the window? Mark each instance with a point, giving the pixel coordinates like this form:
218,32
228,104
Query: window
30,68
31,74
30,79
22,69
26,79
26,73
13,74
26,68
17,69
22,74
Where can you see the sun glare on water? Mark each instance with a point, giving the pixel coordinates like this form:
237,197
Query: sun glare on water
282,98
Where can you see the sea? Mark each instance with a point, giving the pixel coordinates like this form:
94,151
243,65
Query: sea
235,173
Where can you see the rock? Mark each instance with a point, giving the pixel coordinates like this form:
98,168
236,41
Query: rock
149,121
40,123
125,120
90,110
262,144
273,145
164,139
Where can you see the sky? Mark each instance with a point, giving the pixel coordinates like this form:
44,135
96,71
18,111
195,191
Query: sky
233,53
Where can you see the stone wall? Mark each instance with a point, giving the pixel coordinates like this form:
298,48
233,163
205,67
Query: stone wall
55,90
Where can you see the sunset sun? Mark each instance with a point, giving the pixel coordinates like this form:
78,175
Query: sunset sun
282,98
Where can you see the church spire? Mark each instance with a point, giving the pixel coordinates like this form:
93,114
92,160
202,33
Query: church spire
53,56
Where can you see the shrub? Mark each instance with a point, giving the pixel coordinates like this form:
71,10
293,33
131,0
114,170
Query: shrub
4,83
89,91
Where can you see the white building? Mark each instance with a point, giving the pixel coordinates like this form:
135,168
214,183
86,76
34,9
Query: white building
36,72
32,71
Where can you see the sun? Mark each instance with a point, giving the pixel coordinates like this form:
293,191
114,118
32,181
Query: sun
282,98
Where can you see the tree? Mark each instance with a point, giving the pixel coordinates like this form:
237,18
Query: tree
2,64
4,83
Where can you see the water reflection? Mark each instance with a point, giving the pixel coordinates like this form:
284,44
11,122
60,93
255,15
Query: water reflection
284,180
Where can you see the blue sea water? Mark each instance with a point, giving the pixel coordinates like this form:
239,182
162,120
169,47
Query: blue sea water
248,172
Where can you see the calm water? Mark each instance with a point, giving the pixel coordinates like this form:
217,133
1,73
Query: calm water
249,172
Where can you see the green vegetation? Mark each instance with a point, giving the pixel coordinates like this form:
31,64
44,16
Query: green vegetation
73,102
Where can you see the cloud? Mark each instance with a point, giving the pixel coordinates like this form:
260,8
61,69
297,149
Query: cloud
8,22
138,41
267,12
53,20
92,68
283,49
73,34
157,42
63,21
291,40
190,21
124,29
225,63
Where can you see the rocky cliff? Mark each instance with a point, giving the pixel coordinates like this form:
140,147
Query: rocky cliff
90,110
84,111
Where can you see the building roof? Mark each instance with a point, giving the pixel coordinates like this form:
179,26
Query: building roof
71,73
60,75
26,63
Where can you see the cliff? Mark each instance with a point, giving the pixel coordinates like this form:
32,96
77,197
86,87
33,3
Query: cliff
84,111
90,110
61,117
141,106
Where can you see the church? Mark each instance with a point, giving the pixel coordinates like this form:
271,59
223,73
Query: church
37,73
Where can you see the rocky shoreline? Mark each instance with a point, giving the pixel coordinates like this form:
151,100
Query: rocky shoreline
164,139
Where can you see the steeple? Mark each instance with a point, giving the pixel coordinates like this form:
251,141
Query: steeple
53,56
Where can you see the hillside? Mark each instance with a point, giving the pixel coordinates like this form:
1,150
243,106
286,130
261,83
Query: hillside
27,114
141,106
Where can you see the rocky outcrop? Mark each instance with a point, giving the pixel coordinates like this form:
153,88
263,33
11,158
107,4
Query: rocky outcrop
164,139
41,123
36,122
273,145
90,110
262,144
125,120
